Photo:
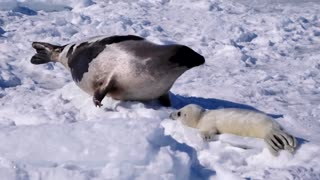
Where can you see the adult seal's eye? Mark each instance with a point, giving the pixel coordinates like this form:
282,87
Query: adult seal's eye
179,114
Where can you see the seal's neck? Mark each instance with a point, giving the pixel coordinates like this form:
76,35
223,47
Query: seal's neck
63,56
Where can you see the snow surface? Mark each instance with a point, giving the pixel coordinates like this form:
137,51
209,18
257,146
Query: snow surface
259,55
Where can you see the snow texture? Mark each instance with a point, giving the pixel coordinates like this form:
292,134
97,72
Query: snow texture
259,54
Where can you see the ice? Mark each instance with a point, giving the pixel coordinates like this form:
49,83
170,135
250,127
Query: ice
29,6
260,55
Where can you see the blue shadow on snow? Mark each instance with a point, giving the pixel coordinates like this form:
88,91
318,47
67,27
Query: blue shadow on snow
300,141
25,11
178,101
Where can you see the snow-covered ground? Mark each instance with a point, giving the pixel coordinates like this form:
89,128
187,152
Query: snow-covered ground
259,54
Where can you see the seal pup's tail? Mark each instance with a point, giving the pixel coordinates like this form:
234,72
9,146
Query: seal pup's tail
45,52
279,140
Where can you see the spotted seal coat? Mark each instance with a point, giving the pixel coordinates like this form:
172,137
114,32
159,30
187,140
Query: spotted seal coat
123,67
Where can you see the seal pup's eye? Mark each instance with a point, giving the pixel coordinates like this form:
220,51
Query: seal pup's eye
179,114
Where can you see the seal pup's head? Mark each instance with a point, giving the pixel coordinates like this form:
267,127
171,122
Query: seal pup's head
45,52
188,115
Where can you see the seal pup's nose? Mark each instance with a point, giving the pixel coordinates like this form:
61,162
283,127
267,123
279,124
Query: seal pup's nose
173,116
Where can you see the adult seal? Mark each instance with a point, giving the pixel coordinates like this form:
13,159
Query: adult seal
122,67
240,122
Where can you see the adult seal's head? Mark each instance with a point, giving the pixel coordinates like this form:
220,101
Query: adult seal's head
122,67
185,56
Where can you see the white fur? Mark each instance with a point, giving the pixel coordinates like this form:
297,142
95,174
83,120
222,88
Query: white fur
236,121
63,56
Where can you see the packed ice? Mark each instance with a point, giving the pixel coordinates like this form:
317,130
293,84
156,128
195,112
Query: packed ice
261,55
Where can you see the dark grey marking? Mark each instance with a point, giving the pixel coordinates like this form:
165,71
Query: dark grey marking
86,52
287,142
173,53
270,143
70,50
184,56
274,148
279,141
276,144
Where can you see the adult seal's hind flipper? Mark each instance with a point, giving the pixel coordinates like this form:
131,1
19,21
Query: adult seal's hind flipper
45,52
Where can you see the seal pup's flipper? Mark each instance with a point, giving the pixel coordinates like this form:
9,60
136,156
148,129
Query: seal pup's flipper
278,140
45,52
208,135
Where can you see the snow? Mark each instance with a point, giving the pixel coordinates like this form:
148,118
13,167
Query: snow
259,55
29,6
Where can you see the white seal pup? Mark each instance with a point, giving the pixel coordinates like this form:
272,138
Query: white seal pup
123,67
240,122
